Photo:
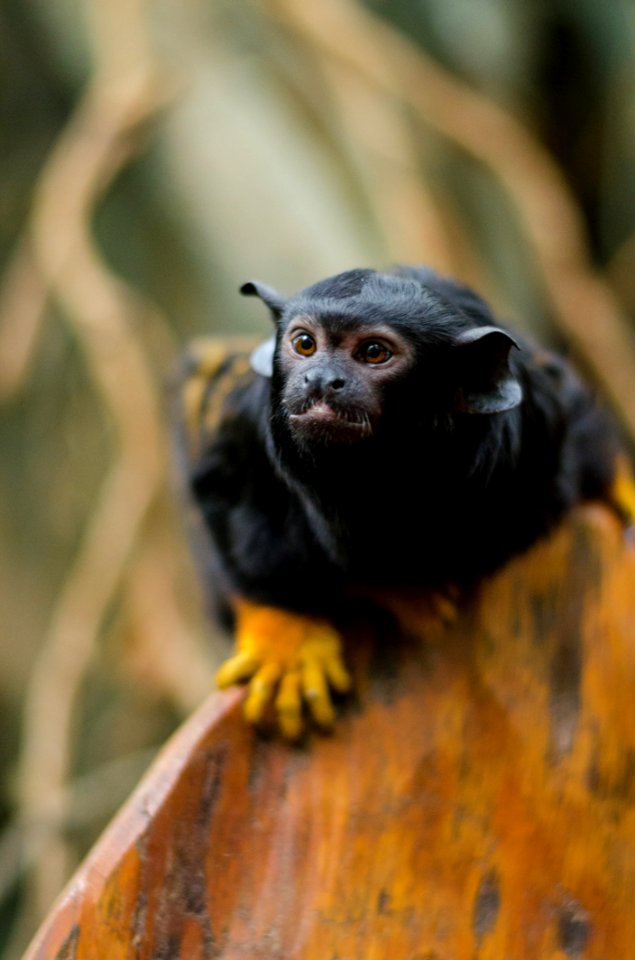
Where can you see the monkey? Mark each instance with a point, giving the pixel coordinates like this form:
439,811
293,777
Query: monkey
392,434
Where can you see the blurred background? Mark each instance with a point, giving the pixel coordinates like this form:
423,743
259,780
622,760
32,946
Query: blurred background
154,154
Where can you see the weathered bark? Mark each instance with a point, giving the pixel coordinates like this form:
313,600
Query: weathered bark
476,801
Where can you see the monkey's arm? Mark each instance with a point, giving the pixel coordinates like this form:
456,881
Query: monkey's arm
265,555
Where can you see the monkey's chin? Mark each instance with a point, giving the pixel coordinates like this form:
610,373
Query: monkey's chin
322,423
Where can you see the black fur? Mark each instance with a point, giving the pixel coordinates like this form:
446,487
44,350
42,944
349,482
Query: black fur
435,491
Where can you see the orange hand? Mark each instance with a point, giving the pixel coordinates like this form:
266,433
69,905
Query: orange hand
288,659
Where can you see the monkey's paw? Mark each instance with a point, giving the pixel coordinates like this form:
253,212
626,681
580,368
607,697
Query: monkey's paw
288,660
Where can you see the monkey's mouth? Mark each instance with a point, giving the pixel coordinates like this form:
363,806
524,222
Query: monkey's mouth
320,420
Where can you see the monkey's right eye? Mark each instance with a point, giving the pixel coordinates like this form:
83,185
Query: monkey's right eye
304,344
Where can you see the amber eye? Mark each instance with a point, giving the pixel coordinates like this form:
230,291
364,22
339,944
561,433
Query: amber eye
375,353
304,344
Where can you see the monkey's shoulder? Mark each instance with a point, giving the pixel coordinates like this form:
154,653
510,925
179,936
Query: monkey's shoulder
222,398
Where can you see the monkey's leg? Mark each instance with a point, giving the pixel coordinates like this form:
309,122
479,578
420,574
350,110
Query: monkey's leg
288,660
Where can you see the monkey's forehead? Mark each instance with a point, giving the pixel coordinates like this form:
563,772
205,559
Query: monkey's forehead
338,319
424,321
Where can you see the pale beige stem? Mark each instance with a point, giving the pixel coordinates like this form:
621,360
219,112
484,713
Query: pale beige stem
582,302
124,92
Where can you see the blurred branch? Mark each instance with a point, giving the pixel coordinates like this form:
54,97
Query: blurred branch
382,152
582,302
23,298
104,134
387,163
126,89
162,648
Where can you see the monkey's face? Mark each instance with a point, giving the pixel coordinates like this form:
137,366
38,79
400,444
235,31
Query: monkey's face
335,375
363,354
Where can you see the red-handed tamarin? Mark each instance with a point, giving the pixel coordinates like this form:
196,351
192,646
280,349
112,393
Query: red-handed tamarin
391,434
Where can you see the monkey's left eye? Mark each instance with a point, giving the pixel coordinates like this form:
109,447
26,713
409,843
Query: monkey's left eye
304,344
374,353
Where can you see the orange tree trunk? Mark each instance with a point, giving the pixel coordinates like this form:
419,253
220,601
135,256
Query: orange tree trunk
475,801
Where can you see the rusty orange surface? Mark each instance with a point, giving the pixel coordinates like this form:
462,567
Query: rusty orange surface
476,800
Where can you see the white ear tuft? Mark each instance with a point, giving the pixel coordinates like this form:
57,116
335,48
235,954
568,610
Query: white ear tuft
262,357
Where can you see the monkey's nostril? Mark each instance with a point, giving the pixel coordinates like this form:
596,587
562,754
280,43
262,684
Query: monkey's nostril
337,384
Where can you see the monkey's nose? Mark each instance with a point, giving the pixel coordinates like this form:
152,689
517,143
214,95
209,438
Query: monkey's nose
321,382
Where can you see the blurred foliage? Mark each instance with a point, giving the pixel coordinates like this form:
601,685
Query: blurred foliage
153,156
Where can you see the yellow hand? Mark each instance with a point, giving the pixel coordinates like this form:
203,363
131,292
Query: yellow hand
289,660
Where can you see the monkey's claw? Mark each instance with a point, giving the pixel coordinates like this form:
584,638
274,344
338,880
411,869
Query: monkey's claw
289,661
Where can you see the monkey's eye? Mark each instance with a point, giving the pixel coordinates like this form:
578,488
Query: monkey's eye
304,344
374,353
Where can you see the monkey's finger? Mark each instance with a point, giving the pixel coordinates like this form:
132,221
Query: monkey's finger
289,705
261,692
337,674
316,694
240,667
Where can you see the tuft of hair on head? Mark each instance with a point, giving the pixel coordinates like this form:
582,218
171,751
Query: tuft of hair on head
341,286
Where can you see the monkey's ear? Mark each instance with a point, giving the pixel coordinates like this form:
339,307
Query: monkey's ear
275,302
261,358
486,383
